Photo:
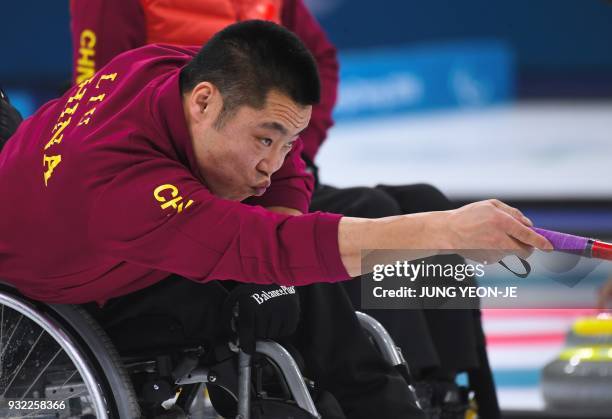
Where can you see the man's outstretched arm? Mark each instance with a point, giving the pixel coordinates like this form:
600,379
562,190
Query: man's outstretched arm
156,214
470,230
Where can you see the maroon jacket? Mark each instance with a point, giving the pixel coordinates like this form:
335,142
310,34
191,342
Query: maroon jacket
101,197
101,29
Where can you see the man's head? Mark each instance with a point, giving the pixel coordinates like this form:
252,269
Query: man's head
247,95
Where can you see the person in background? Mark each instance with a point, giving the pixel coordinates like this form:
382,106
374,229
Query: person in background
10,118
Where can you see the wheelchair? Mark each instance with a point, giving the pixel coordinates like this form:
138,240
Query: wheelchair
57,362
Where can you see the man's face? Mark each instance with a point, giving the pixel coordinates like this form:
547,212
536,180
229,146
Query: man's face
237,160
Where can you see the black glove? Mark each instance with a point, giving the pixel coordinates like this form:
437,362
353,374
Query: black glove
261,312
10,118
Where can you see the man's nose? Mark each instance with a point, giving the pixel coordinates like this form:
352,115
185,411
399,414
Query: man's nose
271,163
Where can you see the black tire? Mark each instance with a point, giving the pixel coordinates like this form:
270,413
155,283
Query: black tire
93,345
112,374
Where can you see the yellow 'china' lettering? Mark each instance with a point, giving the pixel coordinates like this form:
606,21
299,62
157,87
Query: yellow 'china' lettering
88,41
172,203
80,93
84,83
157,192
69,111
176,202
88,38
84,73
186,206
86,65
50,162
85,57
57,130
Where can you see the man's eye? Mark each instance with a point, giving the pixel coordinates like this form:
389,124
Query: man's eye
289,146
266,141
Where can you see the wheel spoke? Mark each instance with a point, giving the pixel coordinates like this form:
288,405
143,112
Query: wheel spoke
22,363
68,379
10,337
41,358
40,374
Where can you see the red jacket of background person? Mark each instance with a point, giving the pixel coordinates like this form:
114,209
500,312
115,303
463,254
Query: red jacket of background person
101,29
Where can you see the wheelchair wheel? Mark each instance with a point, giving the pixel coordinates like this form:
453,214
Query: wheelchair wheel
56,362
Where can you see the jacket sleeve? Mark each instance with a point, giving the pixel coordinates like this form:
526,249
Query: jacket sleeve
297,18
156,214
102,29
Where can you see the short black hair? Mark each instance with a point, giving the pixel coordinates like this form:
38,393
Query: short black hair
247,60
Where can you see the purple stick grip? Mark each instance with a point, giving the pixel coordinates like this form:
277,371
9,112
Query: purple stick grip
564,242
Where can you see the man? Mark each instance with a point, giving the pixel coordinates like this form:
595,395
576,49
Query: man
437,343
144,170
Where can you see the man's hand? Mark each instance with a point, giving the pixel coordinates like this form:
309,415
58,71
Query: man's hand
490,230
261,312
10,118
482,231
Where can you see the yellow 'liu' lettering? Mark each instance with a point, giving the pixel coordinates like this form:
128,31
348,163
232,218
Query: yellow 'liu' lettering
110,77
86,117
98,98
50,162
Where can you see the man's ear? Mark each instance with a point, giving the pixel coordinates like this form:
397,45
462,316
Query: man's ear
203,100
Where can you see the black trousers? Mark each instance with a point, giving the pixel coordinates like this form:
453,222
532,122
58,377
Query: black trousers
438,343
335,350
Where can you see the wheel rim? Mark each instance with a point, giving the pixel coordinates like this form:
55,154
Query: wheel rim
34,356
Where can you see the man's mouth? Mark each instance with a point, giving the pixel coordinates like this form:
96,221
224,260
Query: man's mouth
260,189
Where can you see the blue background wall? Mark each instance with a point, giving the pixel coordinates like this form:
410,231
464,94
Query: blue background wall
569,40
548,35
34,41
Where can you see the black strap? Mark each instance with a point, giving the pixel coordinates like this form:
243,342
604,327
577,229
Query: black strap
525,264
